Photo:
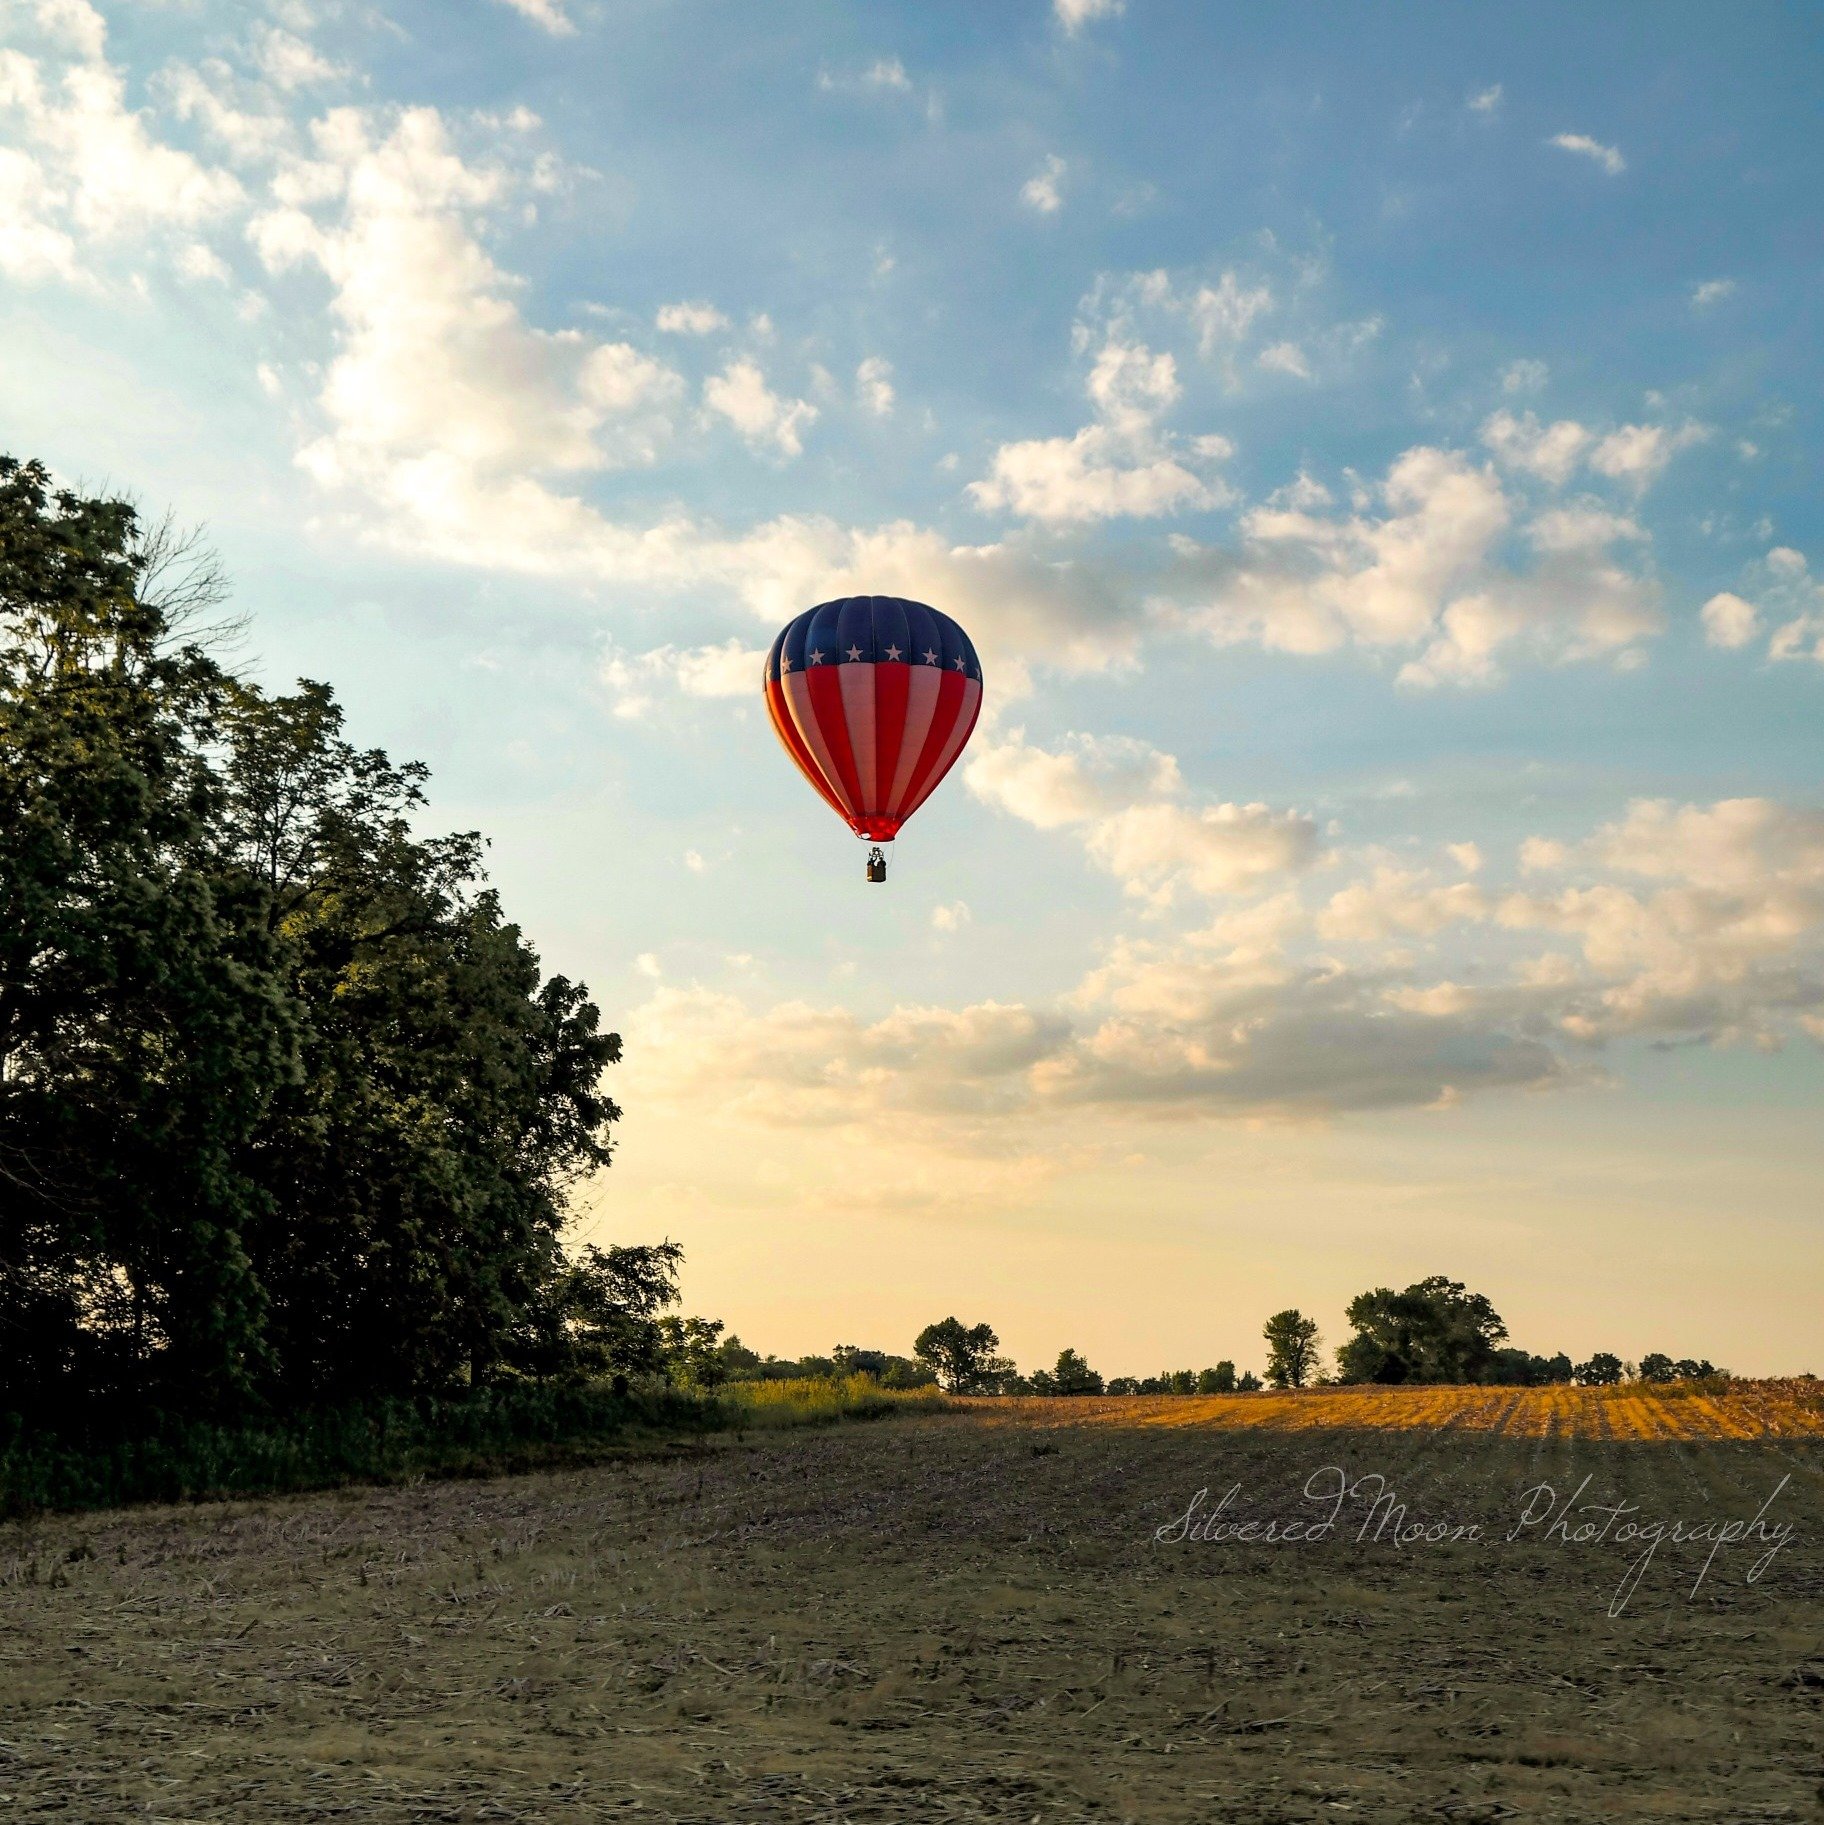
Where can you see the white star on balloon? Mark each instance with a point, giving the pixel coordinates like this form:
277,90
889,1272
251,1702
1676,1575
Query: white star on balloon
854,652
816,659
892,652
930,657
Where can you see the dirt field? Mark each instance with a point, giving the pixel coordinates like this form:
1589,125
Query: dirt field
966,1617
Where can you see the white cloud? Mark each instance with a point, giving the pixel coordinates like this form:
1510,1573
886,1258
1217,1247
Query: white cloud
1285,358
81,173
1223,313
1551,452
1729,621
288,62
874,385
1606,156
1485,101
441,401
1073,15
1044,191
1524,376
1423,572
1711,291
950,918
690,319
1061,479
726,670
546,13
764,418
1724,947
1675,923
1125,799
1637,454
1122,466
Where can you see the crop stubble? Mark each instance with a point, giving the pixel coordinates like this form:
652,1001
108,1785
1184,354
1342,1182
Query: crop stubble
962,1617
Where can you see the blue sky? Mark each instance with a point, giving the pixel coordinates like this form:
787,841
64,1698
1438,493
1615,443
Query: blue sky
1373,452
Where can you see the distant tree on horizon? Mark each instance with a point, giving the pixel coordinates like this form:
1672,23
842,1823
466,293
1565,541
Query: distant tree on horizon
1292,1345
1436,1330
1073,1375
1603,1370
963,1357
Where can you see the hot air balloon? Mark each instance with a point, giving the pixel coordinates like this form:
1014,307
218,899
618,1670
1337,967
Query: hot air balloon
873,697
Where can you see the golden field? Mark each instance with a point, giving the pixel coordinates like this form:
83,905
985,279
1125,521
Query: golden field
1709,1410
963,1616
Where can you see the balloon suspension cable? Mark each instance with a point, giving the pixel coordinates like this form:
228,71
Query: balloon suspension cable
877,863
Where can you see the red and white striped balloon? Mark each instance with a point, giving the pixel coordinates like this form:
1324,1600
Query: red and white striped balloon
874,697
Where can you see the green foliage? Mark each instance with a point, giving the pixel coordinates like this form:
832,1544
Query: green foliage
1657,1367
1074,1376
1219,1380
1434,1331
288,1111
1292,1345
1601,1371
962,1357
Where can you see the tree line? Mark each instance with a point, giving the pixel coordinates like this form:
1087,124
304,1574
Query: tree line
1434,1332
289,1109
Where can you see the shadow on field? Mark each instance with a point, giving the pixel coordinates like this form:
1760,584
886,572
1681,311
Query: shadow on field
974,1617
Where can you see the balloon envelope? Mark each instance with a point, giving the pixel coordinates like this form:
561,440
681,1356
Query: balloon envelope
873,697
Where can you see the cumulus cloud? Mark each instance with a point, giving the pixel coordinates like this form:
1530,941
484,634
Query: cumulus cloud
874,385
1126,802
1485,101
1711,291
81,173
548,14
1722,944
288,62
1550,452
690,319
1606,156
764,418
441,401
1405,988
1285,358
638,680
1634,455
1424,571
1073,15
1637,454
1122,466
1729,622
950,918
1044,190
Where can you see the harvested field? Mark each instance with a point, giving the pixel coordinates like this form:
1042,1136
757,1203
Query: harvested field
962,1617
1697,1410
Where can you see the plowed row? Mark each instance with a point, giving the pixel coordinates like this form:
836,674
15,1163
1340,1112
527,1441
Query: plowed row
1737,1410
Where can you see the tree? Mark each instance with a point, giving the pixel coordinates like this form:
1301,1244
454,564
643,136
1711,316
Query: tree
1249,1383
288,1109
1601,1371
963,1357
1291,1348
1655,1367
1434,1331
1074,1376
143,1031
1219,1380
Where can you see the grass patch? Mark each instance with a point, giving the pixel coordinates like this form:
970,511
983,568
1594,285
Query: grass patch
104,1463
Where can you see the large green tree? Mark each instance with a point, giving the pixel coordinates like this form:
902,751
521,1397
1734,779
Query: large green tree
1292,1346
1434,1331
288,1108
